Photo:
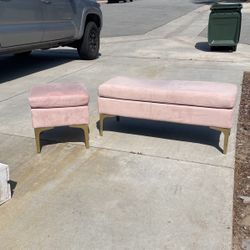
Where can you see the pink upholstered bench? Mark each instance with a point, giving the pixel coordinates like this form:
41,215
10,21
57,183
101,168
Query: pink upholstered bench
56,105
189,102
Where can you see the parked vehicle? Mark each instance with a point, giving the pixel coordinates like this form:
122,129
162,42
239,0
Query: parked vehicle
26,25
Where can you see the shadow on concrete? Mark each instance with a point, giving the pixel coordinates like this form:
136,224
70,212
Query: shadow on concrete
165,130
13,185
62,135
116,1
217,1
203,46
12,67
204,1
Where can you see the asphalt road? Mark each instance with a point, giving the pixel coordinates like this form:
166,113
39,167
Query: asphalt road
141,16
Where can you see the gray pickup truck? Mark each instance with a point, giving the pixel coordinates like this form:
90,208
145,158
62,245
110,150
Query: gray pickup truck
26,25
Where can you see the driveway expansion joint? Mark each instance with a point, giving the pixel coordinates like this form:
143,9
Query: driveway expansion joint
166,158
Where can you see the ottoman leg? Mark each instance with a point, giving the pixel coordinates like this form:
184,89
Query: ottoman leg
86,135
38,131
85,129
226,132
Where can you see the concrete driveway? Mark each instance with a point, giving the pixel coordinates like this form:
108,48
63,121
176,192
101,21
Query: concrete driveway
143,185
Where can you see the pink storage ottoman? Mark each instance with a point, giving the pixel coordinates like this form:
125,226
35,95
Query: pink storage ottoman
55,105
189,102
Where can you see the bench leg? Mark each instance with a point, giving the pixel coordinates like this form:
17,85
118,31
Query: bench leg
101,121
102,117
86,131
226,132
38,132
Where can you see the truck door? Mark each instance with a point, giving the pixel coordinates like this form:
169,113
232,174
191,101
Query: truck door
20,22
57,16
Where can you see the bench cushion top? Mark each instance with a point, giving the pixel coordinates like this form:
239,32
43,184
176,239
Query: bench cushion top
194,93
58,96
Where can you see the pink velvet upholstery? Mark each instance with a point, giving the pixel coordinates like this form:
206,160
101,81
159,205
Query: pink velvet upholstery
190,93
42,118
167,112
188,102
58,96
59,105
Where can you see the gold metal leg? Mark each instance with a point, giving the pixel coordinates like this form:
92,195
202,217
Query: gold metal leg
101,121
38,131
102,117
85,129
226,132
86,135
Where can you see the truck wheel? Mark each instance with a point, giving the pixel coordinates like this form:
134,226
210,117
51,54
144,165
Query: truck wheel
90,42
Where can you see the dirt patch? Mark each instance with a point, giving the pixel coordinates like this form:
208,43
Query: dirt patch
241,223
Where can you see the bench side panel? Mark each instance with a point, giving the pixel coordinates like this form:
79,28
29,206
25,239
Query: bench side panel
193,115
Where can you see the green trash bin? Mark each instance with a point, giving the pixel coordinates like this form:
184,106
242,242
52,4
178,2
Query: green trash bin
224,25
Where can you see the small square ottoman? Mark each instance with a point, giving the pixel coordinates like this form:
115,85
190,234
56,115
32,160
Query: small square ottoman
55,105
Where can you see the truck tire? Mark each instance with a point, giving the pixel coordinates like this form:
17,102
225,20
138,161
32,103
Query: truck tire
89,44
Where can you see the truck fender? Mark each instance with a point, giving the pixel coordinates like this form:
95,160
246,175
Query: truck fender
93,14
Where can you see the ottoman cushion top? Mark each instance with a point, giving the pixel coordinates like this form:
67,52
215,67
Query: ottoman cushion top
58,96
194,93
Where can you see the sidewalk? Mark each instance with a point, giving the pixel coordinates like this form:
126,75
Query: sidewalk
143,185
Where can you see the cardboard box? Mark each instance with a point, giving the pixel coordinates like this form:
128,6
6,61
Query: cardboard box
5,192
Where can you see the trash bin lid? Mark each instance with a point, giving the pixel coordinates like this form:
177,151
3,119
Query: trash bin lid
226,6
